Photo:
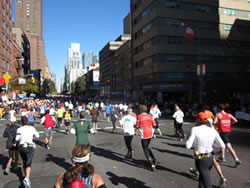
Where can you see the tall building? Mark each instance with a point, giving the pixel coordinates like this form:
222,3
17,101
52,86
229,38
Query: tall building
88,59
22,41
107,64
168,65
127,24
6,44
29,17
73,67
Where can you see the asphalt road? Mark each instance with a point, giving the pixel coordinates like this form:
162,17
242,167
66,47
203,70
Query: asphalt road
108,152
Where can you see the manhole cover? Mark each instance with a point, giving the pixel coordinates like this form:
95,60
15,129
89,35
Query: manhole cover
105,144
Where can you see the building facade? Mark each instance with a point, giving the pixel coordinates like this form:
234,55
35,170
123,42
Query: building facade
165,63
73,67
6,37
88,59
107,64
29,17
22,41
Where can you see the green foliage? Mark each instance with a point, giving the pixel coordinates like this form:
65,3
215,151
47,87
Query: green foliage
28,87
48,87
79,86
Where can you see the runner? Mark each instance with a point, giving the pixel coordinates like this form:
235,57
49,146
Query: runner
24,138
49,123
145,123
202,138
107,111
156,113
10,133
60,113
113,115
224,121
81,174
178,116
81,129
31,117
94,113
128,123
67,120
12,115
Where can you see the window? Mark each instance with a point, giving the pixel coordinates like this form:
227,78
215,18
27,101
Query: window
3,37
174,40
229,12
3,11
201,8
248,14
172,4
7,66
147,61
3,24
3,63
174,58
227,27
147,28
173,22
146,12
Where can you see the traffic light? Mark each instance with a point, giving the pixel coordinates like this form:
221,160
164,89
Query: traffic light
108,81
33,80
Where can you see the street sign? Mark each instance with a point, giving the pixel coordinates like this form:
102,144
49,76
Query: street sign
7,77
21,81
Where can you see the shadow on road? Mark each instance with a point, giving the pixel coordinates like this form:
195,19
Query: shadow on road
118,157
173,152
19,173
181,145
58,161
3,161
39,142
128,182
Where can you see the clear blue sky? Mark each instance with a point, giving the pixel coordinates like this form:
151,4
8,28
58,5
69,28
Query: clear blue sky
92,23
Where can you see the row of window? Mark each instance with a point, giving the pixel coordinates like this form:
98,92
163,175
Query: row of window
190,59
6,40
187,6
6,65
6,28
195,25
5,14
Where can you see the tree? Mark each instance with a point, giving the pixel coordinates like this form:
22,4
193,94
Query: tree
48,87
28,87
79,86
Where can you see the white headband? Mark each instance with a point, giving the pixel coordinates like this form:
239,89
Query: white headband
81,159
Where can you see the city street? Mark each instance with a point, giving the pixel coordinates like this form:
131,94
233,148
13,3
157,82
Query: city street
108,152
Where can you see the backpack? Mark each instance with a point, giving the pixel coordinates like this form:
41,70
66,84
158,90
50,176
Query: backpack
31,117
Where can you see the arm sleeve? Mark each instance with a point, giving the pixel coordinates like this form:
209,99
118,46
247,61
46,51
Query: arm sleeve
191,139
18,135
138,123
42,120
36,134
5,134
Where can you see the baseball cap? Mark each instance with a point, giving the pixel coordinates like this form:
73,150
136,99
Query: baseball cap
201,116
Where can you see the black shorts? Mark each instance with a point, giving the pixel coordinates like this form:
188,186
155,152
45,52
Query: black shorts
225,137
94,121
26,155
107,115
67,122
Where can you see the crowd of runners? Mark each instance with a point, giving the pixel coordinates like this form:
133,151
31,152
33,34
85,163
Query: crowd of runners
212,130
